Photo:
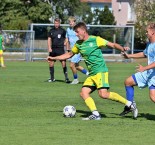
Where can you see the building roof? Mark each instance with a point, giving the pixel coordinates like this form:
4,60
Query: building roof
97,1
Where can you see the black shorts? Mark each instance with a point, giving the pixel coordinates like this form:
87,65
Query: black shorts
56,53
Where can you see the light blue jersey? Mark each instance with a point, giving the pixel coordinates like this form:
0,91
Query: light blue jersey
71,35
150,54
147,78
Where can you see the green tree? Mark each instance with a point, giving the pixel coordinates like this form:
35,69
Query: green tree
145,12
17,14
66,8
106,17
10,15
103,17
96,14
39,12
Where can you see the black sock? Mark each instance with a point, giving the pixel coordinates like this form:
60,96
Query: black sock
51,72
65,72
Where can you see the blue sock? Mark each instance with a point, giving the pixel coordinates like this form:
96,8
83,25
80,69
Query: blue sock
84,71
129,93
75,76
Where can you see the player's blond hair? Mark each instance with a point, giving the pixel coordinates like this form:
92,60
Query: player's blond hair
151,25
72,18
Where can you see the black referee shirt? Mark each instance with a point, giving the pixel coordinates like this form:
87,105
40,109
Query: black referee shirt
58,37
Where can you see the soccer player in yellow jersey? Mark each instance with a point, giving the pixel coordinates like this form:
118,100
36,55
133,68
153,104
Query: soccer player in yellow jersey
90,49
1,49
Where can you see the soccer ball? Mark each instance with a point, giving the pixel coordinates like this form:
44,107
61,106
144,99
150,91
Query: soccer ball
69,111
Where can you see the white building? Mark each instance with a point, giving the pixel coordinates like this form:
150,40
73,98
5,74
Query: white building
123,10
124,13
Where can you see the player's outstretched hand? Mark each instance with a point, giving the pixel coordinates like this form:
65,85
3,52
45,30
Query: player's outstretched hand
49,58
125,55
140,68
126,48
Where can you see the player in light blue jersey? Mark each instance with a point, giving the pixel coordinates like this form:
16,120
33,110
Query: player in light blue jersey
71,38
145,76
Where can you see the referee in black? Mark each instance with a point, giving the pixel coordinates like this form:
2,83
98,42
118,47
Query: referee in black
56,40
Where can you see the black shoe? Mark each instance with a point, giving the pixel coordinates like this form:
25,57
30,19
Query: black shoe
132,108
67,81
126,111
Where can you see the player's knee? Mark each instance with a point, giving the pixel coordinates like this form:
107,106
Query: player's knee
51,64
130,81
103,95
152,97
82,94
71,65
126,82
77,65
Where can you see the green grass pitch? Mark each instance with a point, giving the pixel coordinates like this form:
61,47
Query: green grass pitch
31,109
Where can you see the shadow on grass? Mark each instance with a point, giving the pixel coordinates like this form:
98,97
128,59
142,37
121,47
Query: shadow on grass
81,82
62,81
140,115
147,116
87,113
67,83
84,113
127,116
54,111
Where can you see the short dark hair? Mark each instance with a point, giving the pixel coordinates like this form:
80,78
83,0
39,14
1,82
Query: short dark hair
57,20
81,25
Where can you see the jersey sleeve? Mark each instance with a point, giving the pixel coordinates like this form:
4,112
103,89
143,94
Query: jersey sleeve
101,42
64,33
49,34
67,33
75,50
145,50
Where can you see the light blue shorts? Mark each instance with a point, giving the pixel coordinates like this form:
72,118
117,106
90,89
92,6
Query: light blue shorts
144,80
76,58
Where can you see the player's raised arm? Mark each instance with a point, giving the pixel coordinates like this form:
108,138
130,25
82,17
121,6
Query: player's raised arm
61,57
116,46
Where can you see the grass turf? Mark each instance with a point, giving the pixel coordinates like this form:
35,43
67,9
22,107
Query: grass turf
31,109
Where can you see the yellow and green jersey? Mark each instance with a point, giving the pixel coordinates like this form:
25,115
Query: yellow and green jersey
1,42
90,50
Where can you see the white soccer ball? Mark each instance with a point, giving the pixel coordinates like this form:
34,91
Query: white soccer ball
69,111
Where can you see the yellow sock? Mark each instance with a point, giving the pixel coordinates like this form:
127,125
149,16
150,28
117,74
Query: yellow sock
91,104
2,61
116,97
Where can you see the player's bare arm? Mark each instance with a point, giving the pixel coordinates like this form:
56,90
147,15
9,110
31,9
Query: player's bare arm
67,45
141,68
136,55
61,57
117,46
49,44
66,41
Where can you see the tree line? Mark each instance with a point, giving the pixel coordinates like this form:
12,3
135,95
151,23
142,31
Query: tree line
17,14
